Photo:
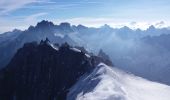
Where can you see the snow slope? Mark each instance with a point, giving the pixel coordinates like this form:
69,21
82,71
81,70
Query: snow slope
106,83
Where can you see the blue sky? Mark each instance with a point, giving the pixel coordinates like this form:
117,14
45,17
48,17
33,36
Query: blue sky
133,13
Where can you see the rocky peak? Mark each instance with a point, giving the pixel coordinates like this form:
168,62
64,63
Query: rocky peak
44,71
65,27
44,23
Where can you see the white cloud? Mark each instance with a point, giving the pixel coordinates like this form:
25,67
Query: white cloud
7,6
97,22
33,18
160,24
92,22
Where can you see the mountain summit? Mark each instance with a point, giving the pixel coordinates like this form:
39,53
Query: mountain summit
44,71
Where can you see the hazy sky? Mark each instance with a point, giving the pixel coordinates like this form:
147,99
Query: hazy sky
134,13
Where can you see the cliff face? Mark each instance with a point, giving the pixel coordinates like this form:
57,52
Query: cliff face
44,71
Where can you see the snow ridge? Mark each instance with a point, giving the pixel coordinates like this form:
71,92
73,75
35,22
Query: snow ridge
107,83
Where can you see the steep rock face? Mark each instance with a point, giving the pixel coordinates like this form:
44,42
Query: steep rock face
43,72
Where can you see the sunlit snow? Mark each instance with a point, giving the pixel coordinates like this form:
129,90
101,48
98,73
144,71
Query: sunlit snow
75,49
106,83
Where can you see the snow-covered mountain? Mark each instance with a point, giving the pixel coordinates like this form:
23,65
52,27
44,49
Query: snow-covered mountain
110,83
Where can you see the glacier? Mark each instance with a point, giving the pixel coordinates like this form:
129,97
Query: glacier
110,83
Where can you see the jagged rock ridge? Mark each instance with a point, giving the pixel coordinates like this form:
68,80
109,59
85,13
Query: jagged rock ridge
44,71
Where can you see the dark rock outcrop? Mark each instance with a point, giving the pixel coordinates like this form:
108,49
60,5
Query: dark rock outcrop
44,72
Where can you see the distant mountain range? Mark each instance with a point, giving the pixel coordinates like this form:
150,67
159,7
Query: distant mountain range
141,52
